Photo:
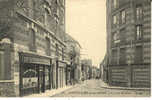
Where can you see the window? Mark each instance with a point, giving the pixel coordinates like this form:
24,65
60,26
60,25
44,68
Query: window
63,2
33,38
139,12
57,50
114,19
58,13
138,55
56,1
48,46
115,3
47,13
62,21
122,59
62,54
122,35
123,16
114,57
139,32
27,25
116,38
2,71
32,41
46,17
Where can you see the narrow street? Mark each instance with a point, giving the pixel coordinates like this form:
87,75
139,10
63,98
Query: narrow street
93,88
75,48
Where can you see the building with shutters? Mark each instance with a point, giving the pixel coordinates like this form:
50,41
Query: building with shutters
32,48
129,42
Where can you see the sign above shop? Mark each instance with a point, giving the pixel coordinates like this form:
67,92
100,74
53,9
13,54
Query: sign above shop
35,60
61,64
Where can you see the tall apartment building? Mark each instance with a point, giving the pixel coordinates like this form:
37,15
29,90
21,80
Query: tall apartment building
129,42
32,50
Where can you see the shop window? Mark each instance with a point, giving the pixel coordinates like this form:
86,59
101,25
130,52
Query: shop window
47,80
123,16
139,12
139,32
30,78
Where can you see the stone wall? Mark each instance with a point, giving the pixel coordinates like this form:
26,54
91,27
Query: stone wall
130,76
7,89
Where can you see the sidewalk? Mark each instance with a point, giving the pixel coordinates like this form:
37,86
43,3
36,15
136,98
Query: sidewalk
106,86
49,93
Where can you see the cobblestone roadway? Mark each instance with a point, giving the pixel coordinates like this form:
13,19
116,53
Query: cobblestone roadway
92,88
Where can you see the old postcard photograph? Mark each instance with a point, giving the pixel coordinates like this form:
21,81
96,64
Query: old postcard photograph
75,48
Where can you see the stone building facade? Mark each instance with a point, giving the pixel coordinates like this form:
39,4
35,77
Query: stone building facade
74,57
32,49
129,42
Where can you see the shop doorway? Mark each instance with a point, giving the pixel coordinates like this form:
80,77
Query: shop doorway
41,79
35,74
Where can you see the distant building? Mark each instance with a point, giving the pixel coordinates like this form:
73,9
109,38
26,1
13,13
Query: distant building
129,42
86,64
73,55
94,72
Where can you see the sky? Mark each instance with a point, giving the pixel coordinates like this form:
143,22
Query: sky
86,22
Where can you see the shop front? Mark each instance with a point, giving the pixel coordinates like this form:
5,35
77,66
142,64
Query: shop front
35,74
61,74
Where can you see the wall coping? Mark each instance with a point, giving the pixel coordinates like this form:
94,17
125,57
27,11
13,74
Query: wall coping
6,81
